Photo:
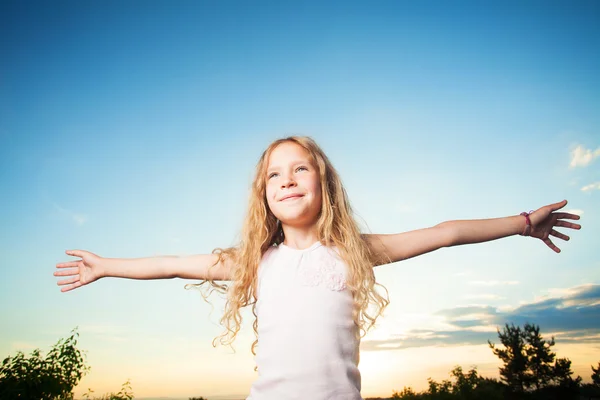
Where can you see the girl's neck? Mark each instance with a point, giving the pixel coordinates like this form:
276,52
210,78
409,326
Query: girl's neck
299,237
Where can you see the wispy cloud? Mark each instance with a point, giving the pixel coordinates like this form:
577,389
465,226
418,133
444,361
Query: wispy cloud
573,317
493,283
483,296
581,157
110,333
575,211
77,218
592,186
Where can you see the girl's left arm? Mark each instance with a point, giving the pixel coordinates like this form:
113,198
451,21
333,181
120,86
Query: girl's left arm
406,245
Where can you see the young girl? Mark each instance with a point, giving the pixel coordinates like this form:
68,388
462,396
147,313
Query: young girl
307,271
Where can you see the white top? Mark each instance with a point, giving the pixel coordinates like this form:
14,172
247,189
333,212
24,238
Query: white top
307,341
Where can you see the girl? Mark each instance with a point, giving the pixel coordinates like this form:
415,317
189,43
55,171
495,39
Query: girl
302,263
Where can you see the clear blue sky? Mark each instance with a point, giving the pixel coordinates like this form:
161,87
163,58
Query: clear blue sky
132,129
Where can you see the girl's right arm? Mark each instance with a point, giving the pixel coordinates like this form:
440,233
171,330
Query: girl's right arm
92,267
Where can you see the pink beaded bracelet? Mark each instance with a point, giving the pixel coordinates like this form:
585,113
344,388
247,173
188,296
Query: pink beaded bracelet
527,229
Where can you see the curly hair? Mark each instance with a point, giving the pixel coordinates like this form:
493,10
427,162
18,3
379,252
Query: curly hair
336,226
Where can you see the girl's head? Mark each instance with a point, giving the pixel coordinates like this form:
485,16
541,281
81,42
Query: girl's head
297,167
291,184
296,185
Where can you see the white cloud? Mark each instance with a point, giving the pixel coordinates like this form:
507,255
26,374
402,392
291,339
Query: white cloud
591,186
571,314
109,333
78,218
493,283
575,211
483,297
580,156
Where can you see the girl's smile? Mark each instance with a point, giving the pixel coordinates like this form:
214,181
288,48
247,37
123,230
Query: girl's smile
291,197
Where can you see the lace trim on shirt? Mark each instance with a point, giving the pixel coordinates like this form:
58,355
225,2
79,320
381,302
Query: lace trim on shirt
325,272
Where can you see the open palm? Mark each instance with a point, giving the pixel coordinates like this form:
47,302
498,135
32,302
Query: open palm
80,272
545,219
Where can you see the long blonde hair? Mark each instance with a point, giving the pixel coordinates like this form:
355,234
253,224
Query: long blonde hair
336,226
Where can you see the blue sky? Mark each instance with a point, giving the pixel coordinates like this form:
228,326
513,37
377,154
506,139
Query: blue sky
132,130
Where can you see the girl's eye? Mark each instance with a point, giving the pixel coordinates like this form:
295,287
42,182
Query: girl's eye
274,174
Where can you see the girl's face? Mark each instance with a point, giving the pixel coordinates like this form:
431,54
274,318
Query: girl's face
293,187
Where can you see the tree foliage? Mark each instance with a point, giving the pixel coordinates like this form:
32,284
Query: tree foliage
539,357
529,371
529,362
596,375
460,386
51,377
124,394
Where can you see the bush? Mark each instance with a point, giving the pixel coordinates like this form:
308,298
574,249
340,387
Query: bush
52,377
38,377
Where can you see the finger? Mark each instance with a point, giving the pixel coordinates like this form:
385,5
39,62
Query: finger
551,245
563,215
67,272
69,264
68,281
559,235
559,205
75,253
73,286
565,224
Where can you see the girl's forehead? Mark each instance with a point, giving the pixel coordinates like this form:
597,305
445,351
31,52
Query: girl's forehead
287,152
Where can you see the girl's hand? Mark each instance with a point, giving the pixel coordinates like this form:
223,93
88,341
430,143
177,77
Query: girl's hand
84,271
544,219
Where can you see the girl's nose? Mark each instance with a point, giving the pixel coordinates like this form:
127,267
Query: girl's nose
287,182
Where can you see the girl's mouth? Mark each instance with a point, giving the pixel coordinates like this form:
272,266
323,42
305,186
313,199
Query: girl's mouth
292,197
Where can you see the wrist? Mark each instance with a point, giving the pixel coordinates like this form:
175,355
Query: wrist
107,267
525,224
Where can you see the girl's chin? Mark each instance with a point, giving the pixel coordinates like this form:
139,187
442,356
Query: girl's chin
297,222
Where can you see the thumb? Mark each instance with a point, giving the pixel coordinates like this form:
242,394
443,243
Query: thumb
559,205
75,253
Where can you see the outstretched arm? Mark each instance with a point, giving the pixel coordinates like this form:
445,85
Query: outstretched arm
406,245
92,267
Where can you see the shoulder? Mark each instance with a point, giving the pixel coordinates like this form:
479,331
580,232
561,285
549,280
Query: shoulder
268,256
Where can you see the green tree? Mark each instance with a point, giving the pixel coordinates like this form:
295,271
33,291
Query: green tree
124,394
465,384
514,371
563,374
407,393
52,377
469,386
596,375
592,390
528,359
539,357
38,377
439,390
489,389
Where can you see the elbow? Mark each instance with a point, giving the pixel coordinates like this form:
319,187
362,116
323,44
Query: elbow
447,235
